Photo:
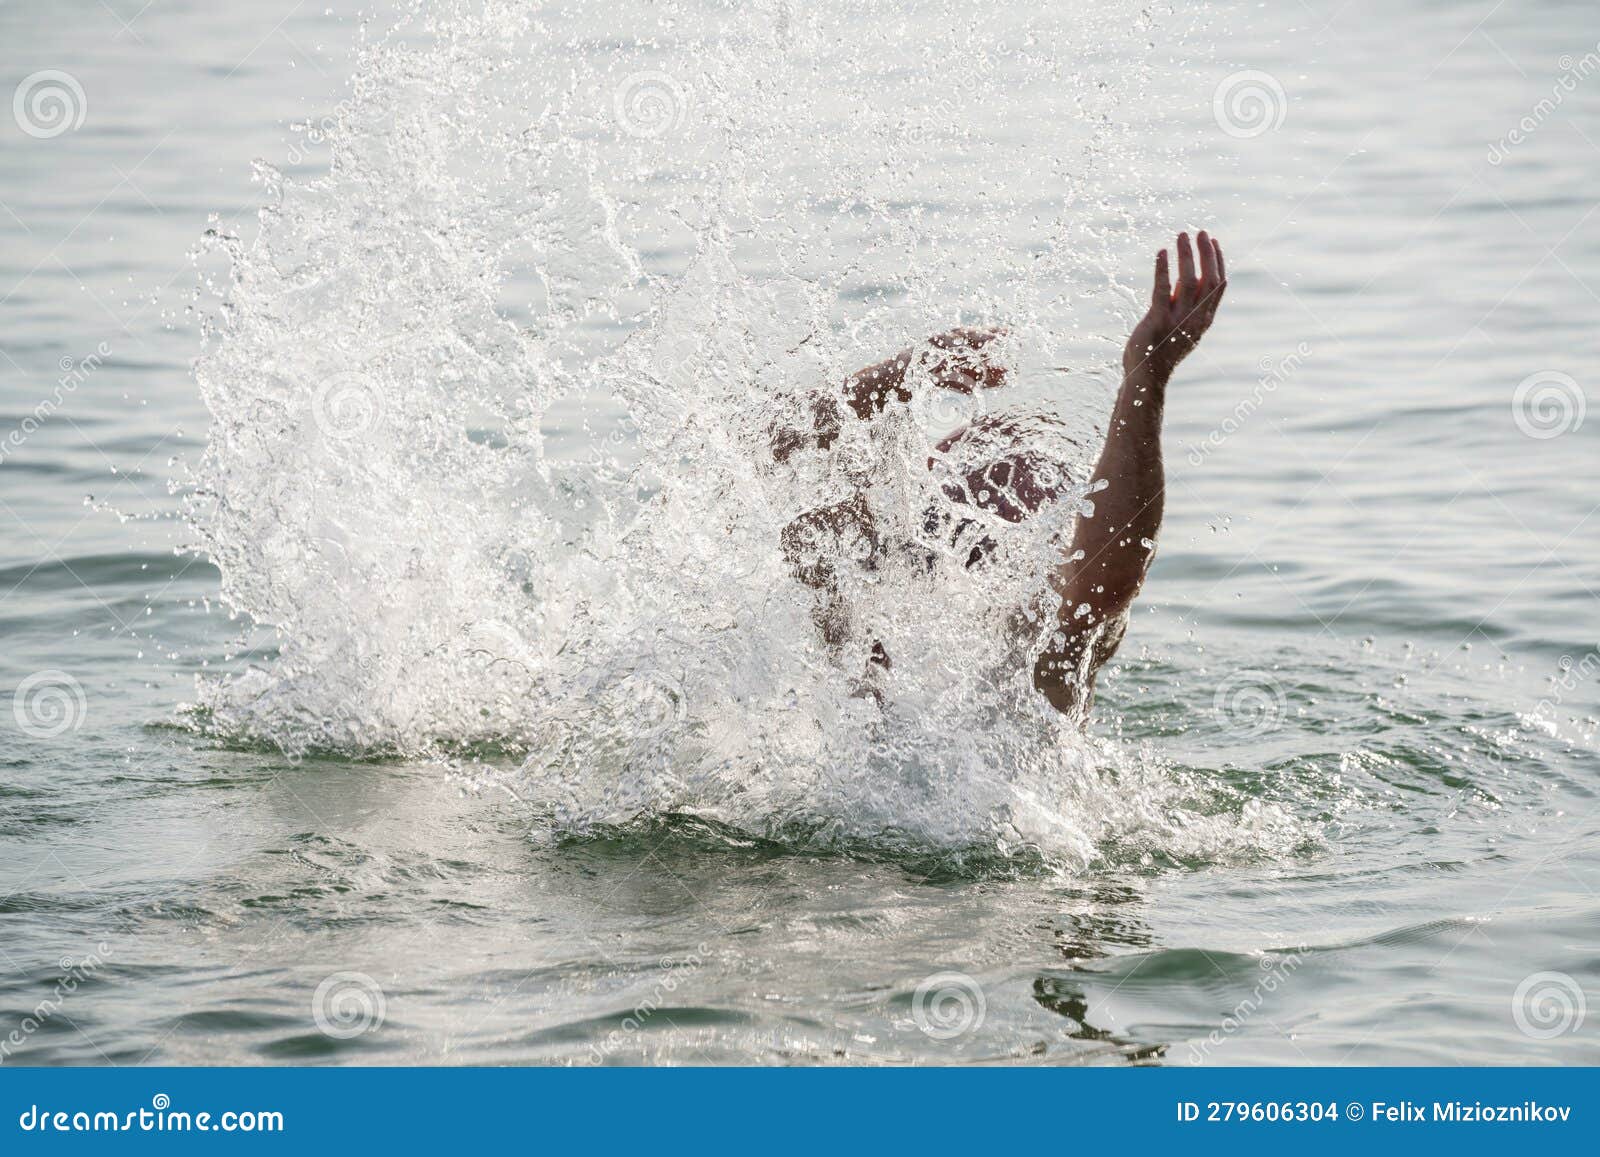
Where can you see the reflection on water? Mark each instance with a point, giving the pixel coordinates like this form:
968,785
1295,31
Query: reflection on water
1064,998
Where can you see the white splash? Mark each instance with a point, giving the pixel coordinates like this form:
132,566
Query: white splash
492,405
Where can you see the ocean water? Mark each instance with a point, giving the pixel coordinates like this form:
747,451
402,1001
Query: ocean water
401,665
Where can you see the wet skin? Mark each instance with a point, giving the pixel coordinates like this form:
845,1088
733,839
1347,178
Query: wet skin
1104,566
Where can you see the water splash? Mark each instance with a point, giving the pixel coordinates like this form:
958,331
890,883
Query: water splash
493,405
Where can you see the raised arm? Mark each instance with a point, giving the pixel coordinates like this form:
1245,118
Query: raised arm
1112,549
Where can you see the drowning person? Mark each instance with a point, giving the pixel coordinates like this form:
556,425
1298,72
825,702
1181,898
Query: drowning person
1103,567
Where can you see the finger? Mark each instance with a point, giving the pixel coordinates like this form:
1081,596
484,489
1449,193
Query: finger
1185,267
1216,283
1161,297
1208,260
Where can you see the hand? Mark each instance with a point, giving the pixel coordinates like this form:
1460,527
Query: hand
963,363
955,359
1177,321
